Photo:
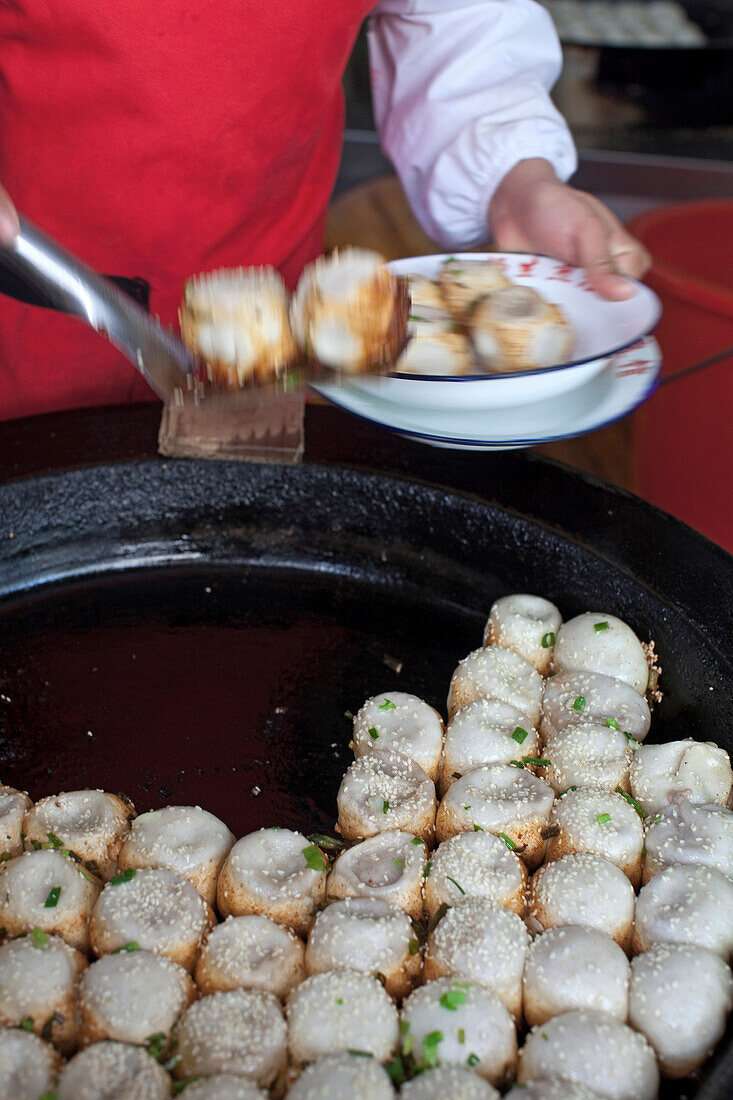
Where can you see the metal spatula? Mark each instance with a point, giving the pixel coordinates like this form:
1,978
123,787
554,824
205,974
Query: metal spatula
69,285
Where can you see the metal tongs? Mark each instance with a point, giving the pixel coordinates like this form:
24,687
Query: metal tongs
69,285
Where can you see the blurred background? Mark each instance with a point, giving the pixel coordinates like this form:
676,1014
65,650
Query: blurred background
647,89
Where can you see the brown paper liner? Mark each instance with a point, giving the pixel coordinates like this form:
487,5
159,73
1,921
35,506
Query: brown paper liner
235,427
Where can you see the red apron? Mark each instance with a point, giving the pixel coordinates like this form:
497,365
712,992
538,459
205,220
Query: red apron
157,139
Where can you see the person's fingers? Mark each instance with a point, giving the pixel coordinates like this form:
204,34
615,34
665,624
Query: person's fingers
629,255
9,225
594,253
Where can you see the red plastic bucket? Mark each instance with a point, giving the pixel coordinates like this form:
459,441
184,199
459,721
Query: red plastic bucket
683,437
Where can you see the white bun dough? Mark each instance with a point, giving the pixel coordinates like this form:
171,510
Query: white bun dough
131,996
13,808
684,833
156,909
402,723
114,1071
385,790
592,1049
551,1089
28,1066
572,967
455,1023
480,941
485,732
240,1032
495,673
342,1075
38,982
598,642
686,903
499,799
475,864
588,755
367,935
340,1011
250,952
679,998
600,822
448,1081
605,701
527,625
582,889
186,839
27,883
225,1086
693,771
269,872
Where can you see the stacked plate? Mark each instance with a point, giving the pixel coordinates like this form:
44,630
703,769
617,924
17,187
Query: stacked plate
616,364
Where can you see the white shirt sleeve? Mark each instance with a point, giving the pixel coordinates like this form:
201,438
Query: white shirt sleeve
461,95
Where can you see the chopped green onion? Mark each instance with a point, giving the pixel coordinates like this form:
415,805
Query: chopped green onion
172,1062
387,705
573,788
27,1023
373,733
330,843
466,807
133,945
654,820
602,819
155,1043
508,841
520,735
385,807
52,1095
452,998
456,884
360,1053
416,840
612,723
632,802
348,714
538,761
548,639
179,1086
598,627
54,841
40,939
413,947
477,829
430,1047
398,861
461,1035
339,1000
124,876
314,858
5,856
53,898
579,703
426,872
473,1060
516,763
407,1037
629,737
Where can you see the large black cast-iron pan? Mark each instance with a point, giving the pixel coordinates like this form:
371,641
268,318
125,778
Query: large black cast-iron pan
190,631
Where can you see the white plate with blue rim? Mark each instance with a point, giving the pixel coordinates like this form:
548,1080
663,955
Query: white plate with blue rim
602,330
626,379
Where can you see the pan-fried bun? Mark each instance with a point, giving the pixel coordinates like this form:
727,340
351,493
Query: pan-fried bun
389,866
38,983
236,321
154,908
592,1049
349,311
186,839
251,952
132,995
241,1032
28,1066
275,872
339,1011
29,881
13,807
91,824
113,1071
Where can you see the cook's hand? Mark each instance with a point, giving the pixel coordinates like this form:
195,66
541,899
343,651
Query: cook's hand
532,211
9,225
